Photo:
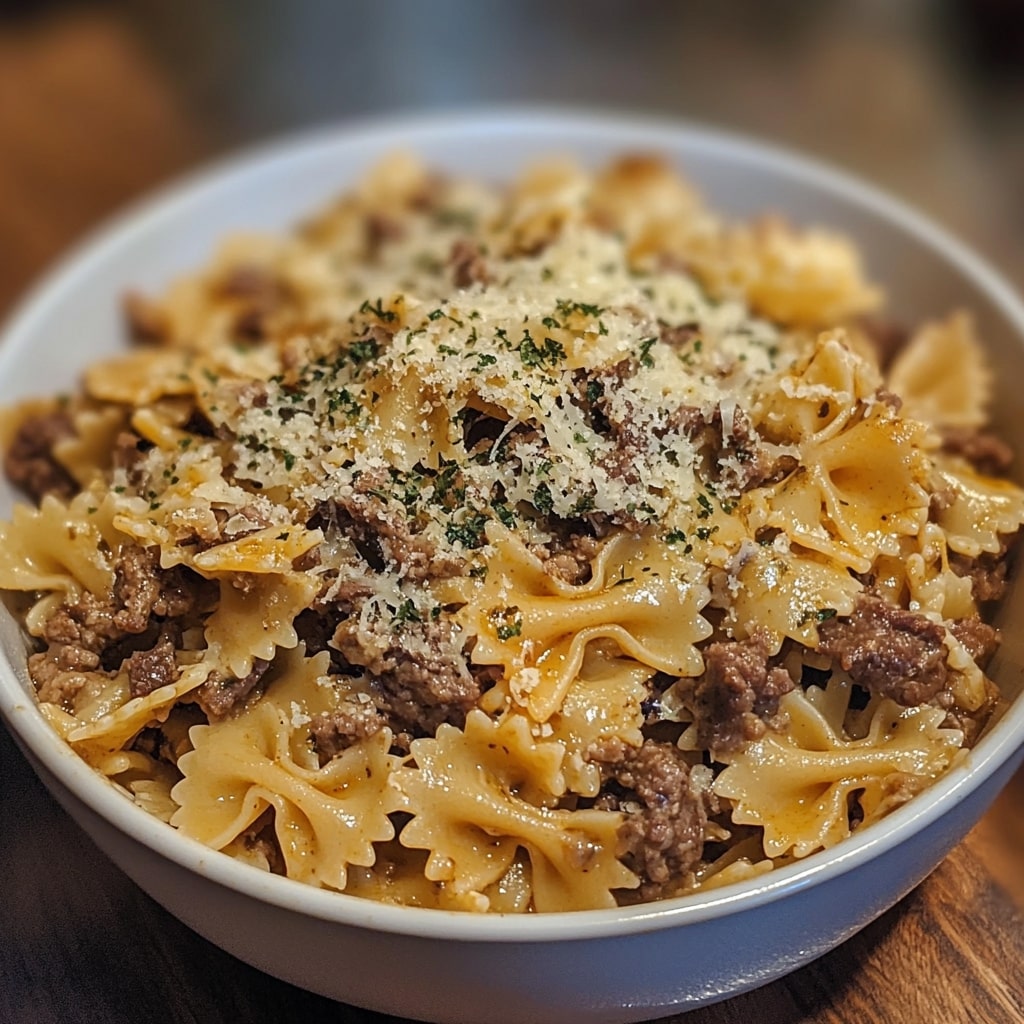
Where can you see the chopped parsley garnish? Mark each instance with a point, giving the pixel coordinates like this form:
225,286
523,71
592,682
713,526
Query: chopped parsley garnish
363,350
469,532
508,622
645,357
505,514
583,506
567,308
378,311
549,352
542,500
407,612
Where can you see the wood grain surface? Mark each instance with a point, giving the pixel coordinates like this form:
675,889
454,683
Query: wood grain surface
96,122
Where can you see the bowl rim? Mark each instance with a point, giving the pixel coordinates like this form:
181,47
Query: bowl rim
563,127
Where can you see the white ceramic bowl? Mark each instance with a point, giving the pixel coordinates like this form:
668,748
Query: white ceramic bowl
619,965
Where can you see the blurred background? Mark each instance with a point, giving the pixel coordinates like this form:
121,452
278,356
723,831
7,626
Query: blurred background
100,101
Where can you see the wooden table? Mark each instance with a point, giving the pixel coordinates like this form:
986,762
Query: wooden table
95,124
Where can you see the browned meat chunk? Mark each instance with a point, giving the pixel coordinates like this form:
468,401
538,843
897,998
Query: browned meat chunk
738,693
335,731
979,638
662,836
421,670
623,462
220,696
886,336
379,230
143,589
679,335
570,560
258,292
384,534
91,633
87,622
149,670
57,672
29,462
129,454
987,574
734,453
468,264
888,650
985,452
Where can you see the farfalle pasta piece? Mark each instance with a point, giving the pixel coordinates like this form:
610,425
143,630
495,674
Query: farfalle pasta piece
799,277
270,550
466,810
941,375
398,876
921,575
409,425
795,785
819,396
982,510
787,593
254,620
642,596
60,546
86,453
857,492
107,717
603,703
325,818
140,377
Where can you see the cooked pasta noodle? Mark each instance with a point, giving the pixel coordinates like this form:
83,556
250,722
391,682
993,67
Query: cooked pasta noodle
536,548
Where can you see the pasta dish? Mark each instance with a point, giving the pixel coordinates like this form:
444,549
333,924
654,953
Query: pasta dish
536,548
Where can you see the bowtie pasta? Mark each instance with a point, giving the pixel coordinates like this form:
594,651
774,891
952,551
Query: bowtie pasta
536,548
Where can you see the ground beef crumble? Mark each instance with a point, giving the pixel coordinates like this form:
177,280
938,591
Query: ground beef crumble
143,589
30,463
662,837
384,534
147,321
987,574
258,294
980,640
888,650
468,264
129,455
570,559
89,634
421,668
732,451
987,453
737,697
149,670
332,732
220,696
